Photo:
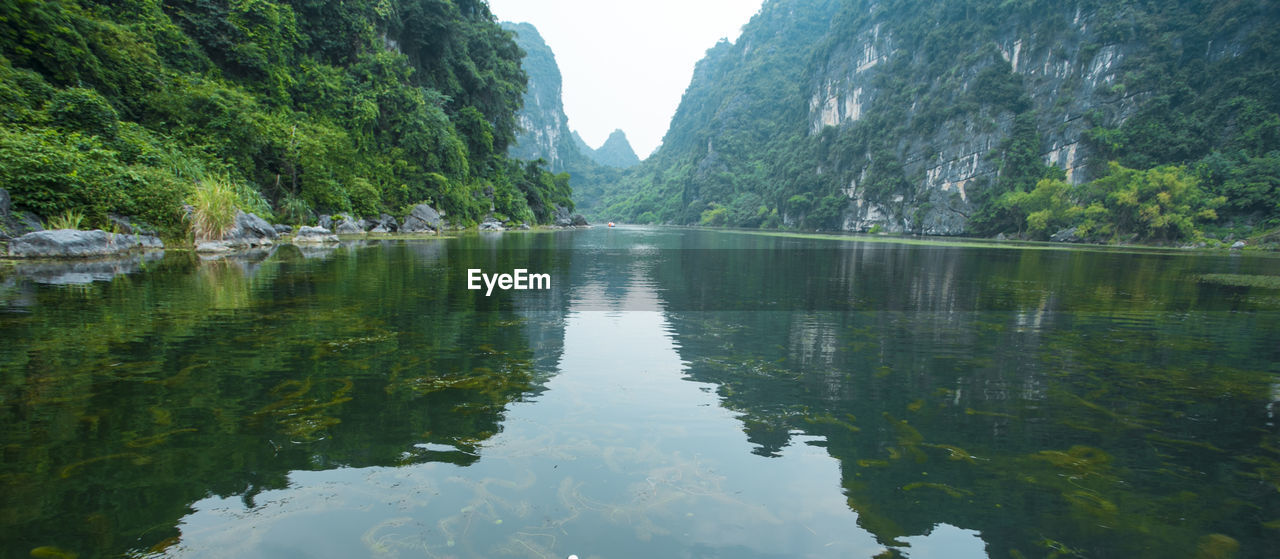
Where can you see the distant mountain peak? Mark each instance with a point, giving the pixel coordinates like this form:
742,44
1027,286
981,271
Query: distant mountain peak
545,132
616,151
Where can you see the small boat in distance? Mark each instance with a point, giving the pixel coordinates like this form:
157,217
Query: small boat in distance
610,224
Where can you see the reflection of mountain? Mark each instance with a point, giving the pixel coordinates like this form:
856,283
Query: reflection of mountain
215,377
982,390
961,392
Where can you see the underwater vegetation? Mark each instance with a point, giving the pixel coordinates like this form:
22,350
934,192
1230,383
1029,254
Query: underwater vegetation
1048,404
223,376
1085,434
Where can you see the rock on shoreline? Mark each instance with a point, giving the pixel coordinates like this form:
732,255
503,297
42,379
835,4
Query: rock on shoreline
71,243
314,235
248,231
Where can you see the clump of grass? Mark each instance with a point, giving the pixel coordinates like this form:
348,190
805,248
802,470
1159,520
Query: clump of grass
69,219
213,208
294,210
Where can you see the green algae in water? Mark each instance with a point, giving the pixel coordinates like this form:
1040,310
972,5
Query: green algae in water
828,419
1217,546
1242,280
1154,386
53,552
954,452
133,457
1092,503
143,442
949,490
1079,459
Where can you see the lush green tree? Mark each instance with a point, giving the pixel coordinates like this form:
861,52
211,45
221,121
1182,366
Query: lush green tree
1161,204
309,107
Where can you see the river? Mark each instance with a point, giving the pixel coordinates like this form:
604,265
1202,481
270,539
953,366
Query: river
672,393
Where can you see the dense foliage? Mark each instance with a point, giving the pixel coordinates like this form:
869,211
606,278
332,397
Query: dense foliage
303,106
1194,98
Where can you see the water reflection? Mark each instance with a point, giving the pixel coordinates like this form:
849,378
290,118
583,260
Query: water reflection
80,272
676,393
618,456
125,401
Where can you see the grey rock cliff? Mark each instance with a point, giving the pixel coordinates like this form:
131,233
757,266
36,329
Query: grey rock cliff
544,126
902,115
946,161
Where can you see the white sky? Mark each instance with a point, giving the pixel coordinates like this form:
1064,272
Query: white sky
626,64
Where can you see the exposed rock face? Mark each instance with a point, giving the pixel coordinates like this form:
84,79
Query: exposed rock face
344,224
252,228
249,230
5,224
579,221
545,128
312,235
491,224
385,224
282,229
905,126
348,226
71,243
1067,235
14,225
949,160
423,218
561,217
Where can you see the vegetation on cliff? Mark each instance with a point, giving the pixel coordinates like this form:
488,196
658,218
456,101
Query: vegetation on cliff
1191,114
301,107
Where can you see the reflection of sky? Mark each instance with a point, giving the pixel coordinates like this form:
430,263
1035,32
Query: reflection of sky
620,455
946,542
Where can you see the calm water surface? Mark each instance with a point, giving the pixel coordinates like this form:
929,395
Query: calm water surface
677,393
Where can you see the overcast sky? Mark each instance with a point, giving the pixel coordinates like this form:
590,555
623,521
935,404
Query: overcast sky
625,64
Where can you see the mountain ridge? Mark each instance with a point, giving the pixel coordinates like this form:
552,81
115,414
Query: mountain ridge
616,151
544,127
944,118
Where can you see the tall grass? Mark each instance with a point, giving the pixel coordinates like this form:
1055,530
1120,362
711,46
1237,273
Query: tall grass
213,208
69,219
294,210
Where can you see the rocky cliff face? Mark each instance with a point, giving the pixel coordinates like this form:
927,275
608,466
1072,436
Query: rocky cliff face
1066,70
544,127
909,115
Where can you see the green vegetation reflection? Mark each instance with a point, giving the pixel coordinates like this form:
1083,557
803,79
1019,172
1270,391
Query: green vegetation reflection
223,376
